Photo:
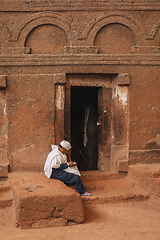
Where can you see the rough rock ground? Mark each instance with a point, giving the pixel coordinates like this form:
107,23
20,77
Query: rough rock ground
119,209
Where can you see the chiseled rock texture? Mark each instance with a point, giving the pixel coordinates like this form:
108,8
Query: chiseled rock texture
49,47
41,202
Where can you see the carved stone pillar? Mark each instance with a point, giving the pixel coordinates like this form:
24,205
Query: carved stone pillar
120,128
59,80
3,128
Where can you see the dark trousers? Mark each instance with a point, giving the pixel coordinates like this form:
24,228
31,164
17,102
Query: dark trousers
68,179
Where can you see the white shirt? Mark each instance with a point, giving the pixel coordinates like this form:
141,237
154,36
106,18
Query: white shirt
54,159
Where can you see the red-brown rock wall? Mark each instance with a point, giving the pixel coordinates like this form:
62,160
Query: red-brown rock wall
43,42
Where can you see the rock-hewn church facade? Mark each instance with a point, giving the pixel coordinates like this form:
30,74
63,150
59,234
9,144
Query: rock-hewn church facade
87,71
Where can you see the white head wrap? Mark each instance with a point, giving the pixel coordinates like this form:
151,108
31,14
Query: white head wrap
65,144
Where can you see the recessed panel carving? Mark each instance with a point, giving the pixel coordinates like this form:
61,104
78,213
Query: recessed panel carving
46,39
115,38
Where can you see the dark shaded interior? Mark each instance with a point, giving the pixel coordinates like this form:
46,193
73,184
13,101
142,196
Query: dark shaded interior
84,130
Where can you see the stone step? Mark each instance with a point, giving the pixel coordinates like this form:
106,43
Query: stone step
146,175
104,199
6,199
107,187
43,202
101,175
144,171
6,193
113,191
4,170
4,164
4,185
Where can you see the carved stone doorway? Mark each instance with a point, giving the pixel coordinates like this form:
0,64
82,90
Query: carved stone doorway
107,94
88,119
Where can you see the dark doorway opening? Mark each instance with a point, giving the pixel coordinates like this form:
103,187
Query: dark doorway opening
84,130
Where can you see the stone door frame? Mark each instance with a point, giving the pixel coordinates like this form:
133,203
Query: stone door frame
4,164
119,116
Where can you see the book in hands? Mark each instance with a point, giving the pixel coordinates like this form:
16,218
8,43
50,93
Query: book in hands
74,164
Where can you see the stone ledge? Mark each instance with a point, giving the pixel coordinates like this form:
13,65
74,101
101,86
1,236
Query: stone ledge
4,164
6,199
4,185
78,59
122,166
43,202
4,170
146,49
16,50
144,171
81,49
42,5
148,156
147,176
114,191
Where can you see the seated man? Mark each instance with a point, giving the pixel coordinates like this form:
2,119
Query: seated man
59,166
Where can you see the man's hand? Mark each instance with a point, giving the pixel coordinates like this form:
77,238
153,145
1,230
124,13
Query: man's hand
72,163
